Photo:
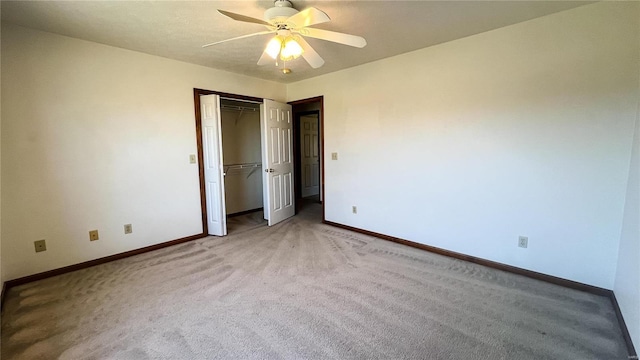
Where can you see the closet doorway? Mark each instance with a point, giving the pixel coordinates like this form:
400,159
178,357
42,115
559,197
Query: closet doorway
242,154
245,159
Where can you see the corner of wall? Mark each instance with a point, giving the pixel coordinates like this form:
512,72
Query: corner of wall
627,276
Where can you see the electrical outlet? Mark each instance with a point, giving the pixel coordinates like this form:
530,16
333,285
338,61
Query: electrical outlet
523,241
192,158
40,245
334,156
93,235
354,209
128,229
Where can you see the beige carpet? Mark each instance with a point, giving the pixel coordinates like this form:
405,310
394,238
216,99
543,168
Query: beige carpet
302,290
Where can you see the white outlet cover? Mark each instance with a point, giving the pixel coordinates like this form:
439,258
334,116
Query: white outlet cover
523,241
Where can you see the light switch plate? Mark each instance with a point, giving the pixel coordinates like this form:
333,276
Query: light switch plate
334,156
192,158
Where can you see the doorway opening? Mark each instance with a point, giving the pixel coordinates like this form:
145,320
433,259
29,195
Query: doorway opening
242,167
308,129
221,160
245,160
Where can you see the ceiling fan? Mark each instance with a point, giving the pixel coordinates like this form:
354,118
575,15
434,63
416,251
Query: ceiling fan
290,27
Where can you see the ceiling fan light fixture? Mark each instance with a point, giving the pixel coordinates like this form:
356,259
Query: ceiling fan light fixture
286,47
274,46
290,49
291,27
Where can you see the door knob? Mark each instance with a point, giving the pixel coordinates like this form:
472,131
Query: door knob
268,170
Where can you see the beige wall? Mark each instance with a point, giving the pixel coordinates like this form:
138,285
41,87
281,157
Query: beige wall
524,130
95,137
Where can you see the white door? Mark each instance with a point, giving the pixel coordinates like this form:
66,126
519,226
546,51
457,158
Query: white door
277,150
213,171
310,159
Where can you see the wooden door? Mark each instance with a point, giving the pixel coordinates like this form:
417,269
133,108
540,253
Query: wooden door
277,134
310,157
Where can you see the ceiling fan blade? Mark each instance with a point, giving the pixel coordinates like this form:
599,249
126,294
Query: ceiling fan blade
309,54
308,17
341,38
244,18
265,59
241,37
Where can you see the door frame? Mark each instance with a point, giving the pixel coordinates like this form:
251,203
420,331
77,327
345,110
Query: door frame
296,152
200,152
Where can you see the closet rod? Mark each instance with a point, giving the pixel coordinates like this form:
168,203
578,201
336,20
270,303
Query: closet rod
252,166
237,108
243,165
240,100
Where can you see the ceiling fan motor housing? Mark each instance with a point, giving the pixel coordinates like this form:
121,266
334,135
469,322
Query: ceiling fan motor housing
280,12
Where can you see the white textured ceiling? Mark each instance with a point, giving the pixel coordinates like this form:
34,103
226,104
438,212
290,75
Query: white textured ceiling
177,29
